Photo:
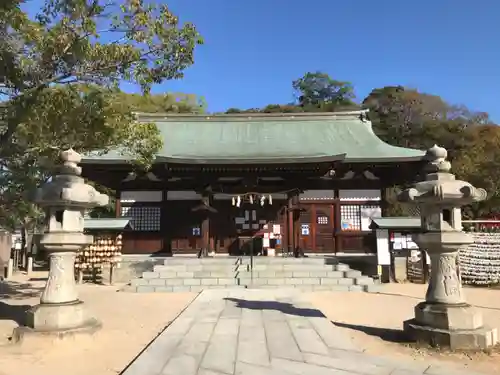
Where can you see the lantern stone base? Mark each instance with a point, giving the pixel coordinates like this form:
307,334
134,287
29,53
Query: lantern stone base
55,322
459,327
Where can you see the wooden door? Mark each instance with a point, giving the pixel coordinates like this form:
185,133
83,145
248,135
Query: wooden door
317,228
184,227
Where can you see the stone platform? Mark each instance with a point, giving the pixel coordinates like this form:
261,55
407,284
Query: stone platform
308,274
262,332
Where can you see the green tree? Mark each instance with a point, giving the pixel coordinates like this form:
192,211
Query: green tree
478,163
169,102
314,92
408,118
318,91
60,72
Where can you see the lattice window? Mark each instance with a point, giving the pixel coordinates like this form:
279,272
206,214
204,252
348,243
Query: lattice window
143,218
358,217
322,220
350,217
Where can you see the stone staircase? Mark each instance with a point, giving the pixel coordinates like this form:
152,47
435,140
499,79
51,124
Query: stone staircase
308,274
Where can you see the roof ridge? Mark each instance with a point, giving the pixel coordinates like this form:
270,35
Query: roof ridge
246,116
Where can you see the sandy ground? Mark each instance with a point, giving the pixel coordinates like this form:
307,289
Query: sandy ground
130,322
375,323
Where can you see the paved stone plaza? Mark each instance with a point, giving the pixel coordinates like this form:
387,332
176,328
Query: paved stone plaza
262,332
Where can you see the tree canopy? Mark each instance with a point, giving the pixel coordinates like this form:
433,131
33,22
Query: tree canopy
314,92
60,76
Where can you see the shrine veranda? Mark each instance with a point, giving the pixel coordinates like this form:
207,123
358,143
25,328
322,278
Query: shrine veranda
260,183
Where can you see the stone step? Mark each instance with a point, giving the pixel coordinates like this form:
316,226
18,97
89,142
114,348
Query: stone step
312,288
176,285
162,273
292,267
246,260
279,260
364,280
193,274
195,261
247,280
256,268
179,288
197,268
295,281
197,288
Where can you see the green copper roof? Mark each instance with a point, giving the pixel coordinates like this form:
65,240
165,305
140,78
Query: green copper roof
407,222
269,137
106,223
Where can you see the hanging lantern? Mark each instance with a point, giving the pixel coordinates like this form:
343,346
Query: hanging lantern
238,201
262,200
233,201
251,199
270,199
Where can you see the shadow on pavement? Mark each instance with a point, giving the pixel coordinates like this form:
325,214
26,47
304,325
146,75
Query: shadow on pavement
386,334
285,308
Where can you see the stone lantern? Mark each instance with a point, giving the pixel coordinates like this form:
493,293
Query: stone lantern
65,199
445,319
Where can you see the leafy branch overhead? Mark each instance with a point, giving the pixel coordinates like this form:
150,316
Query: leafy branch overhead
60,76
89,45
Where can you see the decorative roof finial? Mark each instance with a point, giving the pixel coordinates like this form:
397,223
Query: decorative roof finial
437,163
70,160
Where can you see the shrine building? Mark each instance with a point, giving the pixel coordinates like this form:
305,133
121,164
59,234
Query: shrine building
226,183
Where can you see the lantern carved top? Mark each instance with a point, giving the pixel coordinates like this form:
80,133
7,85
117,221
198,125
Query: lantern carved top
67,188
440,187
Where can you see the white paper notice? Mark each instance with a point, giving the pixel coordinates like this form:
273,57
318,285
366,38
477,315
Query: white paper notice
276,229
397,237
397,246
365,223
265,242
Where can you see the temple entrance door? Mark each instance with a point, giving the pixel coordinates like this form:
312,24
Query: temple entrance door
248,224
185,228
317,227
324,228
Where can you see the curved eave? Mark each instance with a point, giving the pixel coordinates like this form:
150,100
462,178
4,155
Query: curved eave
284,160
392,159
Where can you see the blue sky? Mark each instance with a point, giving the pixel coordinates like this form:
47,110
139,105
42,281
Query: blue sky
254,49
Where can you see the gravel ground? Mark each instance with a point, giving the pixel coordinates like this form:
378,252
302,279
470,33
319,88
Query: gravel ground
375,322
130,322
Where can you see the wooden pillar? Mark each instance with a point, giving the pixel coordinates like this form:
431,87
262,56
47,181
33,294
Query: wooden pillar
290,226
284,229
312,229
165,225
118,204
205,227
384,205
296,222
337,228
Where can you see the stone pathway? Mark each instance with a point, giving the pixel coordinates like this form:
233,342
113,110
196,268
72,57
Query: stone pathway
261,332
